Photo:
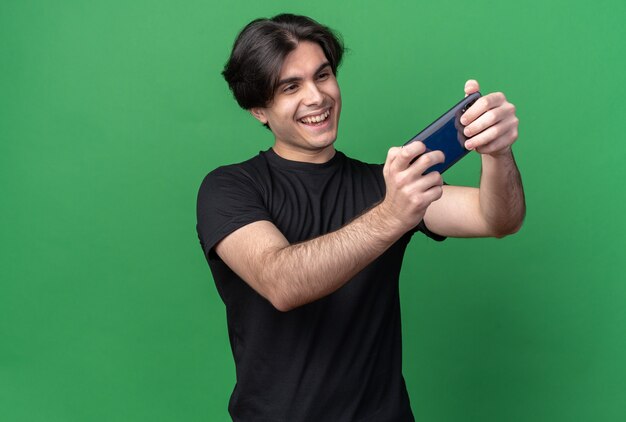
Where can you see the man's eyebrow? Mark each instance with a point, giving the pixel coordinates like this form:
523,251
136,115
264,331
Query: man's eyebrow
297,78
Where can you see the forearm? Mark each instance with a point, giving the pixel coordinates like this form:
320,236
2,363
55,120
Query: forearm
501,194
306,271
291,275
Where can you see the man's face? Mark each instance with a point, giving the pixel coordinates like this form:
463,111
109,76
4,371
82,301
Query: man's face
304,113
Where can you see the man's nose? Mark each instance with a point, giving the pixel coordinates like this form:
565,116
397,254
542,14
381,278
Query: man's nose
313,95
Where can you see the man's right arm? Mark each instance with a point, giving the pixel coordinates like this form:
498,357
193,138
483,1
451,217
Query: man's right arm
291,275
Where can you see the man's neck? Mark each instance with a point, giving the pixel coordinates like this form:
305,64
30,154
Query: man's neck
317,156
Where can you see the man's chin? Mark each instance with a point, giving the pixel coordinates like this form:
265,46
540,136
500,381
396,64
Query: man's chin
322,143
325,137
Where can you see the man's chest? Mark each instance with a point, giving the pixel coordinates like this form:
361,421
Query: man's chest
305,206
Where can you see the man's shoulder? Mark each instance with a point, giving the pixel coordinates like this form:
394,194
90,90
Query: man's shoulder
359,166
245,176
243,169
254,163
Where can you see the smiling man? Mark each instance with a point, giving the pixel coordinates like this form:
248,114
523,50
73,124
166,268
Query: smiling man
305,244
304,123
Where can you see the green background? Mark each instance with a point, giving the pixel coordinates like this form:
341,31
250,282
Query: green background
111,113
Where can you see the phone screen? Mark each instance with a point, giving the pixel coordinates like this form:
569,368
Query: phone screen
446,134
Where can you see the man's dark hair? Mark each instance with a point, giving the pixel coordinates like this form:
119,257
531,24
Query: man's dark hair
253,69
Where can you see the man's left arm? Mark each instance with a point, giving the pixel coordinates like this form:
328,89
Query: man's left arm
497,208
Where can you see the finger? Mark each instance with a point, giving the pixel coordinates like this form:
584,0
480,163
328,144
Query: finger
428,181
433,193
471,86
491,134
406,154
422,187
392,153
426,161
482,105
486,120
503,142
489,118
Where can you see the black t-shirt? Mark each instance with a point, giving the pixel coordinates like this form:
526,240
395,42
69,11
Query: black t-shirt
338,358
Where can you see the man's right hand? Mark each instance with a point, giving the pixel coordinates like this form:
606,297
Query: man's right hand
409,192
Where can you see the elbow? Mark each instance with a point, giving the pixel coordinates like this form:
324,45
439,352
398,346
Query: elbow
504,233
281,303
277,295
271,285
506,224
282,306
509,229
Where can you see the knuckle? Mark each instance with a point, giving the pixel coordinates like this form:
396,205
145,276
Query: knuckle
433,194
438,179
418,147
439,192
416,201
434,179
390,156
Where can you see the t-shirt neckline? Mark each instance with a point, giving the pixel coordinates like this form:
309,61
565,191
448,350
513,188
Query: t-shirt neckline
281,162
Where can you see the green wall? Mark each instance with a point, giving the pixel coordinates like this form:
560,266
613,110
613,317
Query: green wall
111,113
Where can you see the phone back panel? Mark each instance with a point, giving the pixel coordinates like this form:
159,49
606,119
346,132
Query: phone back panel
446,134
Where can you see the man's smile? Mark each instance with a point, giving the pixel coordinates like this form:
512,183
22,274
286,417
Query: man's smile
315,120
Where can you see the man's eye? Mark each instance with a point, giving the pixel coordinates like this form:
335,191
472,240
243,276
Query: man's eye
290,88
323,76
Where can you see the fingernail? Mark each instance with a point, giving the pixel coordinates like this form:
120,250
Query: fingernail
468,145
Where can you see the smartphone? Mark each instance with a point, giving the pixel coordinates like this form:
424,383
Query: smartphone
446,134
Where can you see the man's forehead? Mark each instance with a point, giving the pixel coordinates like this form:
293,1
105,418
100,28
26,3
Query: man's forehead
307,58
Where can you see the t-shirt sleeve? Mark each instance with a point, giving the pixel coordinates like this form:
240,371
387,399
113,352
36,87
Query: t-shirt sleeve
228,199
422,228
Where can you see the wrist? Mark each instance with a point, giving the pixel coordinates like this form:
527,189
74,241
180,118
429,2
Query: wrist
385,221
504,153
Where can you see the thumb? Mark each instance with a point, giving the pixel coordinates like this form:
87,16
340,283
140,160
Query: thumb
471,86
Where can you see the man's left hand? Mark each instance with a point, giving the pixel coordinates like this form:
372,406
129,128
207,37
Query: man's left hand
490,123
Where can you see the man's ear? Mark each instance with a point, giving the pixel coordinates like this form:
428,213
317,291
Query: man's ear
259,114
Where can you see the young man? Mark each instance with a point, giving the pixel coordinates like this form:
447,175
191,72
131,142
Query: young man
305,244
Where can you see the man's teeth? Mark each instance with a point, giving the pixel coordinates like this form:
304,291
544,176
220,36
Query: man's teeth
316,119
